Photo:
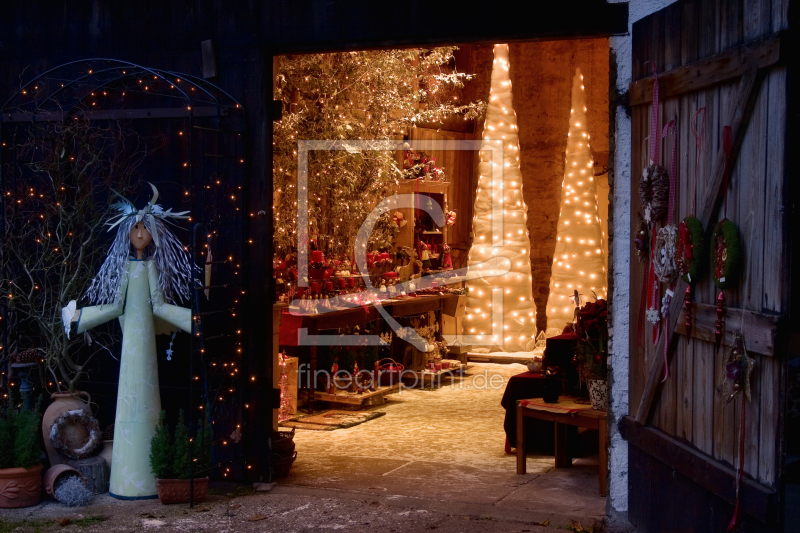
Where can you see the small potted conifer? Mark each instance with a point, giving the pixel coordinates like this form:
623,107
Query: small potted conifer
20,469
172,462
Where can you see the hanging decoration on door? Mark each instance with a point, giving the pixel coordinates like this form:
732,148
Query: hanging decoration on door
664,253
654,195
691,247
724,247
736,379
654,185
665,249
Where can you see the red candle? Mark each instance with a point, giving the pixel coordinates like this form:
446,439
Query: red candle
341,283
328,286
351,282
314,286
316,256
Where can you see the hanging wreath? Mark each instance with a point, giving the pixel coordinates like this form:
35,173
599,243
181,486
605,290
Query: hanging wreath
664,255
654,193
725,252
690,248
76,417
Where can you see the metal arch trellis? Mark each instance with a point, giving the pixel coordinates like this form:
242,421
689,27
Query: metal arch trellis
100,89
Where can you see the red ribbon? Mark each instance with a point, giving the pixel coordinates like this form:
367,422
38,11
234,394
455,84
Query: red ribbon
643,302
739,473
654,120
666,337
726,145
673,168
698,141
653,286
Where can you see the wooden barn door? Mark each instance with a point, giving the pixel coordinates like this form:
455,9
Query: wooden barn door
728,58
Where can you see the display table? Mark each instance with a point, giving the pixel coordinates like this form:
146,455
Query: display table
565,412
354,316
519,387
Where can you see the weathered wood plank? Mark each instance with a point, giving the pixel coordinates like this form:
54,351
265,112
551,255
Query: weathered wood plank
752,185
638,270
776,276
757,18
757,500
740,113
689,32
770,377
780,15
704,413
722,67
759,329
672,36
731,32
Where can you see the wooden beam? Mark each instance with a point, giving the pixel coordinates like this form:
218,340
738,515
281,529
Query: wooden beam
738,115
759,329
758,501
719,68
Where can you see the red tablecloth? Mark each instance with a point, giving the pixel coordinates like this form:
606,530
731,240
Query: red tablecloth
523,387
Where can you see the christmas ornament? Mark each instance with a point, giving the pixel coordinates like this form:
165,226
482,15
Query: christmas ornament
691,243
736,379
664,263
654,184
399,219
654,193
724,247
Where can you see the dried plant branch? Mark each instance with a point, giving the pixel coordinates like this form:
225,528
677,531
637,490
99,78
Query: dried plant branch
56,204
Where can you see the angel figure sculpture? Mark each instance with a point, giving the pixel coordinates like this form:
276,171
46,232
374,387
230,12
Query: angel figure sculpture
146,271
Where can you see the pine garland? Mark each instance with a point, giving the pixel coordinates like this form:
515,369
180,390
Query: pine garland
690,268
725,234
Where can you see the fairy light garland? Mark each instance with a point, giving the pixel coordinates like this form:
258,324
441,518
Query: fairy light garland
579,259
518,329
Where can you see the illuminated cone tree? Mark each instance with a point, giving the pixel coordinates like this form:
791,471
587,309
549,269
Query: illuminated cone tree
578,262
500,235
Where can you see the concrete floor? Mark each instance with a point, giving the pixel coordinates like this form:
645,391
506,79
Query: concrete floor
445,447
434,461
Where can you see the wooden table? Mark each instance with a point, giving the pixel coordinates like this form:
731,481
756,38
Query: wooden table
353,316
581,416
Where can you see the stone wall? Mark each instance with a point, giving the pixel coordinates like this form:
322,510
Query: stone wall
541,77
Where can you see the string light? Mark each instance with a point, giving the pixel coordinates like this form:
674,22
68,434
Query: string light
576,243
502,183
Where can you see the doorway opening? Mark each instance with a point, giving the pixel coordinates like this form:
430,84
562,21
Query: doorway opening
435,411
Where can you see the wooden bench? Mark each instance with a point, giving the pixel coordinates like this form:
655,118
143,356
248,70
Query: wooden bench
565,412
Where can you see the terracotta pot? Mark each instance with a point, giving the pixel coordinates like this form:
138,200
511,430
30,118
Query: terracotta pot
20,487
107,453
54,473
177,490
77,435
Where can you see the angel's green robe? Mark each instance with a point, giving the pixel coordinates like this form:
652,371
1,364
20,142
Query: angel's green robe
142,313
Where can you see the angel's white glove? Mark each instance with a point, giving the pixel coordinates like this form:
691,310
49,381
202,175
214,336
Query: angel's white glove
66,315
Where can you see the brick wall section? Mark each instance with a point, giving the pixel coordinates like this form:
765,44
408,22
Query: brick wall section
541,77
